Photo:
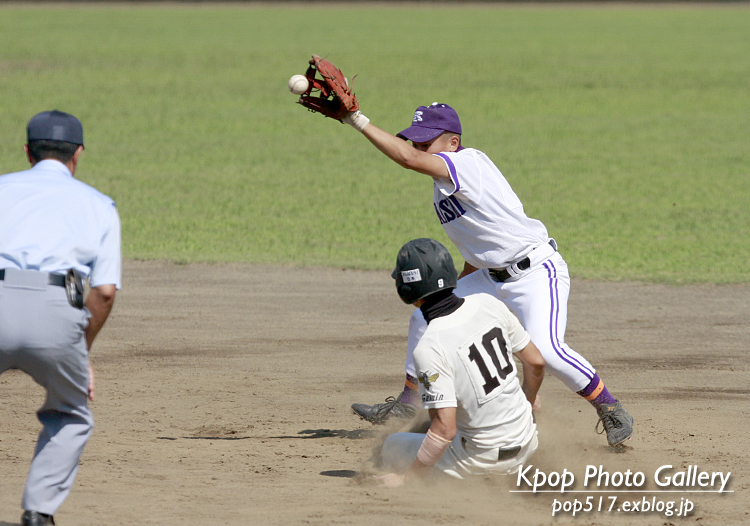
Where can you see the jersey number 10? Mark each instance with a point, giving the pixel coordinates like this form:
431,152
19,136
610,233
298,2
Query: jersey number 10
491,342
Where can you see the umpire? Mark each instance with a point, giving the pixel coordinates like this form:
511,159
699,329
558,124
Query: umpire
56,233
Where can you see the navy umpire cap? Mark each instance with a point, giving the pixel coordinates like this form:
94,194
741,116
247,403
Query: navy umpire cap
55,126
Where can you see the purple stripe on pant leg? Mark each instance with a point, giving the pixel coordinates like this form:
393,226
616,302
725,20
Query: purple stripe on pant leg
554,321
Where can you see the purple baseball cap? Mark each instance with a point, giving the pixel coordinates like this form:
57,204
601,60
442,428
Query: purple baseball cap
54,126
431,121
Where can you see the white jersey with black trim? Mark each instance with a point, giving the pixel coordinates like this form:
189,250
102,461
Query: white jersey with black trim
464,360
482,214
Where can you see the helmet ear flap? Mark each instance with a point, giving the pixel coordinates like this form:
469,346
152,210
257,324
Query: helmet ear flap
405,292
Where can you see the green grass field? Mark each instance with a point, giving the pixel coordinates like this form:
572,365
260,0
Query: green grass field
623,128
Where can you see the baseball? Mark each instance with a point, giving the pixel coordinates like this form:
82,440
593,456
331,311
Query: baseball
298,84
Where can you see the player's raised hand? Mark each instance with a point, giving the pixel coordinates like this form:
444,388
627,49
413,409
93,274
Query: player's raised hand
327,90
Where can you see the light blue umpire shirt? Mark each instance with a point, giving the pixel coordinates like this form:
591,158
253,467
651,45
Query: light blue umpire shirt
51,222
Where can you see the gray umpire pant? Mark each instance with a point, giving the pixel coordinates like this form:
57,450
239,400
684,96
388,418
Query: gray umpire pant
43,335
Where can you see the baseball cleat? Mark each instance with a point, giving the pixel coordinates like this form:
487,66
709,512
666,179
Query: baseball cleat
616,421
379,413
33,518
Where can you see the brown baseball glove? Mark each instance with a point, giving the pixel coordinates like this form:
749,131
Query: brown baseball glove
334,97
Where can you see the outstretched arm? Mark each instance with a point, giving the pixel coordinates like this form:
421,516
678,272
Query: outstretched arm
334,98
404,154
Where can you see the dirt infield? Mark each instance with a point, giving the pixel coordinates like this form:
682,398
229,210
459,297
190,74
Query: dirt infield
223,396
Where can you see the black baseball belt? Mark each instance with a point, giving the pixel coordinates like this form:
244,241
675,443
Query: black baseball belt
501,275
58,280
502,454
505,454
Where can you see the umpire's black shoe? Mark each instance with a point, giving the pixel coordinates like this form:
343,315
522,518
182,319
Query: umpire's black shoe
34,518
379,413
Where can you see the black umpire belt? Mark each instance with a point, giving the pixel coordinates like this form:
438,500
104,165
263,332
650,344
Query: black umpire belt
502,275
58,280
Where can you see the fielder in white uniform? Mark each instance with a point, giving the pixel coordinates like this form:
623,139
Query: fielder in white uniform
480,415
51,223
506,253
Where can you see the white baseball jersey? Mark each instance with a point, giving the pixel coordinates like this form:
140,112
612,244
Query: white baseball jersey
464,360
481,213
